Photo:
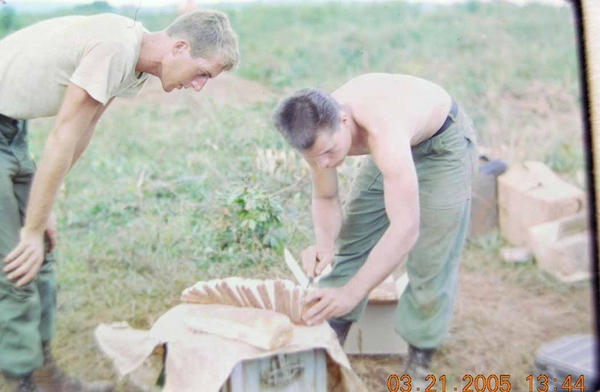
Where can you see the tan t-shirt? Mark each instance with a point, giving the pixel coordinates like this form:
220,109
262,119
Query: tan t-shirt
97,53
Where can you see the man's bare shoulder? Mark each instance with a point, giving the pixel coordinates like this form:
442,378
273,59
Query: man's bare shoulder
398,84
364,94
362,83
396,103
375,100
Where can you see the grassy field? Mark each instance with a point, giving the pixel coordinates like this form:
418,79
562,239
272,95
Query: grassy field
172,191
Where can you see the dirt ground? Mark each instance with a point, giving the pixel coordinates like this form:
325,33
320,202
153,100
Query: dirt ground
496,329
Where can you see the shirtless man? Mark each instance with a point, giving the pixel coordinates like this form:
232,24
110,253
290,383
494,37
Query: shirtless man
410,200
73,67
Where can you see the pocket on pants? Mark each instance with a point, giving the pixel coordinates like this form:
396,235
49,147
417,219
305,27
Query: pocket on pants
470,136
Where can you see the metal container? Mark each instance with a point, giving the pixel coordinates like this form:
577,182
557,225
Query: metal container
573,355
484,208
302,371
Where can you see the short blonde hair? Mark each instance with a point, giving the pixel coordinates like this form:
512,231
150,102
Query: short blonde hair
209,33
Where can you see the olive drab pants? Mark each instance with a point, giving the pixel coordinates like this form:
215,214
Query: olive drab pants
27,314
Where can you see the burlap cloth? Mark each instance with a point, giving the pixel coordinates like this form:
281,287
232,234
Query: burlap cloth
198,361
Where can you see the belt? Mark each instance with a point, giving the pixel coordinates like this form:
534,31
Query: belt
10,127
7,119
449,119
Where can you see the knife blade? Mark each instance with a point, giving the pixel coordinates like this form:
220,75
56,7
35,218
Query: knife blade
310,282
298,273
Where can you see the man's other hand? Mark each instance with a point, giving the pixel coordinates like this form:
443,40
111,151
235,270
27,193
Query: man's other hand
329,303
26,259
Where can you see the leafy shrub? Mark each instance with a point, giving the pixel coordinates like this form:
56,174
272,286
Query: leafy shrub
251,218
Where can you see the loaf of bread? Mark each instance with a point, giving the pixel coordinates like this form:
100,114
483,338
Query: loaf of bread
261,328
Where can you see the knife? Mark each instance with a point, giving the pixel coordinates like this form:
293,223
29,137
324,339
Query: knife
298,273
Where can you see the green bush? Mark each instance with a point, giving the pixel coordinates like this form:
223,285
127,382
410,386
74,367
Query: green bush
252,219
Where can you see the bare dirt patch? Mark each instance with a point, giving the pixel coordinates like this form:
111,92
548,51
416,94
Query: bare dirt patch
496,329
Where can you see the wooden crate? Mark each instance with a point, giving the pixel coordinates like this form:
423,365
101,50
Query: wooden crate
302,371
530,194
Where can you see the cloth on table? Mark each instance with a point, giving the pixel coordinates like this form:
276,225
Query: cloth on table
198,360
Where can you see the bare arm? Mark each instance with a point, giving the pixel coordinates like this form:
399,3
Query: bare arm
84,141
326,207
64,145
327,220
392,154
51,229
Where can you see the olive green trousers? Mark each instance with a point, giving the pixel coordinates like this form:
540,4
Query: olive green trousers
27,314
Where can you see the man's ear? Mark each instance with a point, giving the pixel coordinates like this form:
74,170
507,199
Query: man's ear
180,46
343,118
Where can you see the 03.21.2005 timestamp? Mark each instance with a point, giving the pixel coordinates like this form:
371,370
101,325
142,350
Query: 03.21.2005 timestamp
481,383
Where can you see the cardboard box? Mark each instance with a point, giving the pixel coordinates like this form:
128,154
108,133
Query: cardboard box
530,194
562,247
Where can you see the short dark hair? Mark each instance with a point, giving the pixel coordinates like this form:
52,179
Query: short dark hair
301,115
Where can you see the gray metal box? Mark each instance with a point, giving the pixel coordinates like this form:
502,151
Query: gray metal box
573,355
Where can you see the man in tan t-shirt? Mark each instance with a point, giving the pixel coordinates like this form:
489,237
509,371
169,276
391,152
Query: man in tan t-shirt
73,67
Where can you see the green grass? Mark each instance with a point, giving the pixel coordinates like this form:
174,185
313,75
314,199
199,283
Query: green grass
148,210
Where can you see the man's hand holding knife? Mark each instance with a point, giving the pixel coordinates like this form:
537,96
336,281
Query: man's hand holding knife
328,302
